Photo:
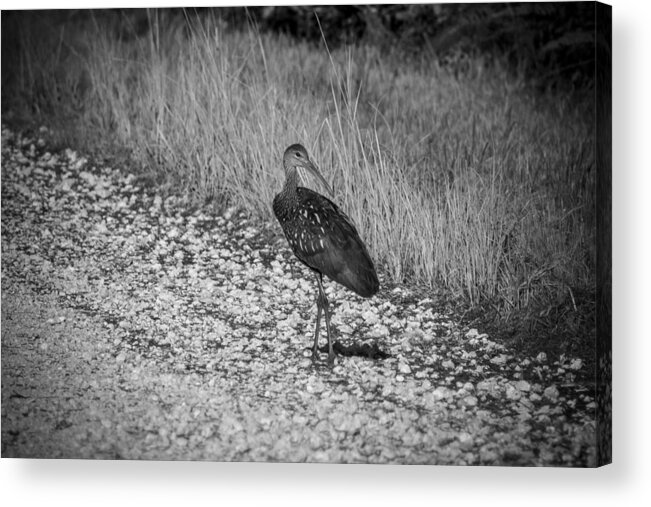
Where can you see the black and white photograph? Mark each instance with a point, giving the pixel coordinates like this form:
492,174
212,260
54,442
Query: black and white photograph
372,234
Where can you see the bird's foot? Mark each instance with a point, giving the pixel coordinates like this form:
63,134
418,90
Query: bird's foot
331,356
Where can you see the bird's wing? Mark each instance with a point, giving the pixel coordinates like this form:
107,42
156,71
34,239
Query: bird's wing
325,227
329,243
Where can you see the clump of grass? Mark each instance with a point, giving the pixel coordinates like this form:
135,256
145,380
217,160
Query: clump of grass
460,179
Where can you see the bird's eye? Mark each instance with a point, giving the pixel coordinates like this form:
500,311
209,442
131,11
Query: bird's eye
298,154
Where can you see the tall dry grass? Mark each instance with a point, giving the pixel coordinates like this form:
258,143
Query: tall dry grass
456,176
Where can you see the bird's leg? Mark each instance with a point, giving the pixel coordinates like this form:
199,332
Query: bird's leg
315,352
326,310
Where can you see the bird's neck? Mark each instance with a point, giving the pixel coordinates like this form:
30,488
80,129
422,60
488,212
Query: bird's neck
292,180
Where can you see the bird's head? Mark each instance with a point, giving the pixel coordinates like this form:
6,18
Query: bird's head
296,158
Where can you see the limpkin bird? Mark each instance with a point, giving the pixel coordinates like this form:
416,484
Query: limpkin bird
322,237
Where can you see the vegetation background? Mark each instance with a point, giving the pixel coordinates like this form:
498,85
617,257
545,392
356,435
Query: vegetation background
459,137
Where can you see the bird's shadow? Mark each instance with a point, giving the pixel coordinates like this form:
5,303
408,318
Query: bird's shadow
357,349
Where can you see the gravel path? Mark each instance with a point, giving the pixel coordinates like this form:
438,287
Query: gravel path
134,328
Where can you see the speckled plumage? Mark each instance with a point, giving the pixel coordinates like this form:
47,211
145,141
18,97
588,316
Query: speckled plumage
322,237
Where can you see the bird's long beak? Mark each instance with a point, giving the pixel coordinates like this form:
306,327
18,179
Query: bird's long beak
315,172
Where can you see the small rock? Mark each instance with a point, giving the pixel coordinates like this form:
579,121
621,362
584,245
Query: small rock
404,368
466,441
501,359
440,392
512,392
469,401
370,317
523,385
487,455
551,392
314,387
526,403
